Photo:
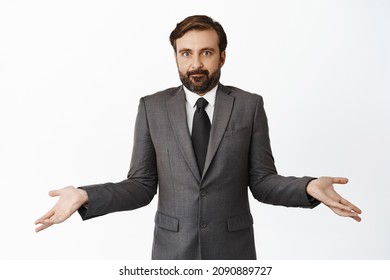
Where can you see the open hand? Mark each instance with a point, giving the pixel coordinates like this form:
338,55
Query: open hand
322,189
70,199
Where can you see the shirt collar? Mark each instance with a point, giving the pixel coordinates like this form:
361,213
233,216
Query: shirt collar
192,97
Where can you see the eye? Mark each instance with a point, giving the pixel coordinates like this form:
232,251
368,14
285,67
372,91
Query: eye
207,53
185,54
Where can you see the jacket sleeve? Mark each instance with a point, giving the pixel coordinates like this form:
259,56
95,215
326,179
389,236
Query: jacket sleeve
264,182
141,184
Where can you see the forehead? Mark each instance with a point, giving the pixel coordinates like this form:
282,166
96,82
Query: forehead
198,39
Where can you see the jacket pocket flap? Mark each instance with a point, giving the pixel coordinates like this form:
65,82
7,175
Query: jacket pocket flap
240,222
166,222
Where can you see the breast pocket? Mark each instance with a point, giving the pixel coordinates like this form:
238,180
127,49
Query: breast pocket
237,132
235,147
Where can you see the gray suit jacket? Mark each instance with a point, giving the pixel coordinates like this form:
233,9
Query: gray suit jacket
200,216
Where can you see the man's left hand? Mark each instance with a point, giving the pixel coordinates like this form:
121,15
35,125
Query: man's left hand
322,189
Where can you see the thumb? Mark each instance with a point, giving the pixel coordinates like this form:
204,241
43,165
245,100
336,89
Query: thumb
339,180
54,193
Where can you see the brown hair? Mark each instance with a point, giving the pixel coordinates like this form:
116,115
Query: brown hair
198,22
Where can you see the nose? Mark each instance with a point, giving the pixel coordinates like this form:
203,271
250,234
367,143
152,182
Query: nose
196,63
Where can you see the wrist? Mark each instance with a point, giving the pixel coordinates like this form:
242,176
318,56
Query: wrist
83,196
310,187
310,193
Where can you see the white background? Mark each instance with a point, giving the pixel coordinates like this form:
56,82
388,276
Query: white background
71,75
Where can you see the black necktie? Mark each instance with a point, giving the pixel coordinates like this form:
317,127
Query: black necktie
200,132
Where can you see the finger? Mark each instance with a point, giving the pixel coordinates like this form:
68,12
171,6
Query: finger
338,205
346,209
352,215
347,206
352,206
339,180
356,218
48,215
42,227
57,218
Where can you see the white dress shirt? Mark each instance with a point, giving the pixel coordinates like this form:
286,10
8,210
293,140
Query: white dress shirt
191,99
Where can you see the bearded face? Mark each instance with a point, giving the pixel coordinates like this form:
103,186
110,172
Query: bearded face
199,60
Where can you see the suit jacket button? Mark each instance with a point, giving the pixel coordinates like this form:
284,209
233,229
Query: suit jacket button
203,225
203,192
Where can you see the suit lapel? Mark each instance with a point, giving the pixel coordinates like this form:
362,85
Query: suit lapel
222,111
178,119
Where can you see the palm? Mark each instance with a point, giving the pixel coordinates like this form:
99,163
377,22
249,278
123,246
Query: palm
322,189
70,199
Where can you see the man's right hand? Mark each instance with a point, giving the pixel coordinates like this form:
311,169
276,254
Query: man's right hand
70,199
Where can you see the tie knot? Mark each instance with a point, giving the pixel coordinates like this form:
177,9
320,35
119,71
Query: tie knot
201,103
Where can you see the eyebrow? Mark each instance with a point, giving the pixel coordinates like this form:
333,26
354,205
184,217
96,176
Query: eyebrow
189,50
184,50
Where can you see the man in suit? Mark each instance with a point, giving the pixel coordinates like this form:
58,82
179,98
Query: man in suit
202,144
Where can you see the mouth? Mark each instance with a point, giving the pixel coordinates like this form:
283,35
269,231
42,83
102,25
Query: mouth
198,78
196,74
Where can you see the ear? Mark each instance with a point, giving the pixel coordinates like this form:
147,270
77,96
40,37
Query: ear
222,58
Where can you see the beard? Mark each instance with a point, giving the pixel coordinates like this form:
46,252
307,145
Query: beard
200,84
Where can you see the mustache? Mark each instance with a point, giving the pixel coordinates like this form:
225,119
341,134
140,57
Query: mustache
197,72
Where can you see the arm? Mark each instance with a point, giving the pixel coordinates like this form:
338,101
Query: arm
141,184
269,187
136,191
266,185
